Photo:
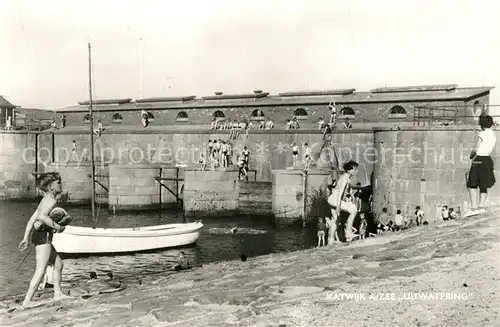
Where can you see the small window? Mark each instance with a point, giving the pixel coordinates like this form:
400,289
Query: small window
397,112
257,114
219,115
86,119
300,113
117,118
182,116
347,112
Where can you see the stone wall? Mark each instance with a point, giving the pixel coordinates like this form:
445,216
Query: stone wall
296,193
270,149
134,187
17,164
255,198
426,167
434,177
77,182
210,193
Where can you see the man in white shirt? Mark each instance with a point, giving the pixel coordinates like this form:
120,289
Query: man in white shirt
481,174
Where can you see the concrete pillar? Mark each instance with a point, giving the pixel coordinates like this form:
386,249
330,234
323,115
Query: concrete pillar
298,194
210,193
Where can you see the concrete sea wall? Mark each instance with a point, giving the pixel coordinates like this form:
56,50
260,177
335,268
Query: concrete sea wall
411,166
296,192
426,167
208,193
17,164
270,149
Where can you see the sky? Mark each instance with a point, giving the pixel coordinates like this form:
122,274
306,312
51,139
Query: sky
176,48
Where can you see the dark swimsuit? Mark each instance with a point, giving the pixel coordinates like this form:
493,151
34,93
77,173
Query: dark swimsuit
40,237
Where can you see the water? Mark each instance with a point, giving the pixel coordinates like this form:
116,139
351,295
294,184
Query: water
210,247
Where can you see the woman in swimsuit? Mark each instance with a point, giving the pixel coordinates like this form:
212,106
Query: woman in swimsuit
43,228
338,199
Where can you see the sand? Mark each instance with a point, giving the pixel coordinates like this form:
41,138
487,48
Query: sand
444,274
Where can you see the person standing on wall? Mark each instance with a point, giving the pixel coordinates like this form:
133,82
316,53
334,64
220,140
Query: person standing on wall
481,174
63,121
8,124
333,114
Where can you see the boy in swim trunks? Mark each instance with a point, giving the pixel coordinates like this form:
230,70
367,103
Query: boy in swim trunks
295,153
321,232
50,184
307,156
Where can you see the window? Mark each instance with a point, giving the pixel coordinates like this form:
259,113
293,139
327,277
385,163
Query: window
257,114
182,116
117,118
347,112
151,117
219,115
86,119
397,112
300,113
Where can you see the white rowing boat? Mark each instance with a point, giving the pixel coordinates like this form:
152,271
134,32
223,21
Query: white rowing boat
84,240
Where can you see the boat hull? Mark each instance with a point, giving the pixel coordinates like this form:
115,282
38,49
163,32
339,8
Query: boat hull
84,240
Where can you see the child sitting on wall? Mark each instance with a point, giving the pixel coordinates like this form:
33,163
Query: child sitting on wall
201,162
213,123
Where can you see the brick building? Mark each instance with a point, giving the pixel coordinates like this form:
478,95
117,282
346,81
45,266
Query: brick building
381,105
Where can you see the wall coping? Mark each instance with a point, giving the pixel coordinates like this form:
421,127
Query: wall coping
430,128
142,166
166,130
301,171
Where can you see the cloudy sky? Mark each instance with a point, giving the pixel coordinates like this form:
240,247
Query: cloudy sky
198,47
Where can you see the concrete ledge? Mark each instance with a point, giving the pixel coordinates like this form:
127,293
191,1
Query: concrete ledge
135,207
205,214
139,166
431,128
195,130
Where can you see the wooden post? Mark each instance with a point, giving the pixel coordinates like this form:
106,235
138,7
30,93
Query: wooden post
177,185
304,194
53,148
159,186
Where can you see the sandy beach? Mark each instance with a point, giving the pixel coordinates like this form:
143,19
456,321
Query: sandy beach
444,274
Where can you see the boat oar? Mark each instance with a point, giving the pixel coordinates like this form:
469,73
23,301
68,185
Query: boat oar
29,251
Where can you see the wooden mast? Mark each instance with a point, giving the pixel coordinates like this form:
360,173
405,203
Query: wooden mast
92,139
